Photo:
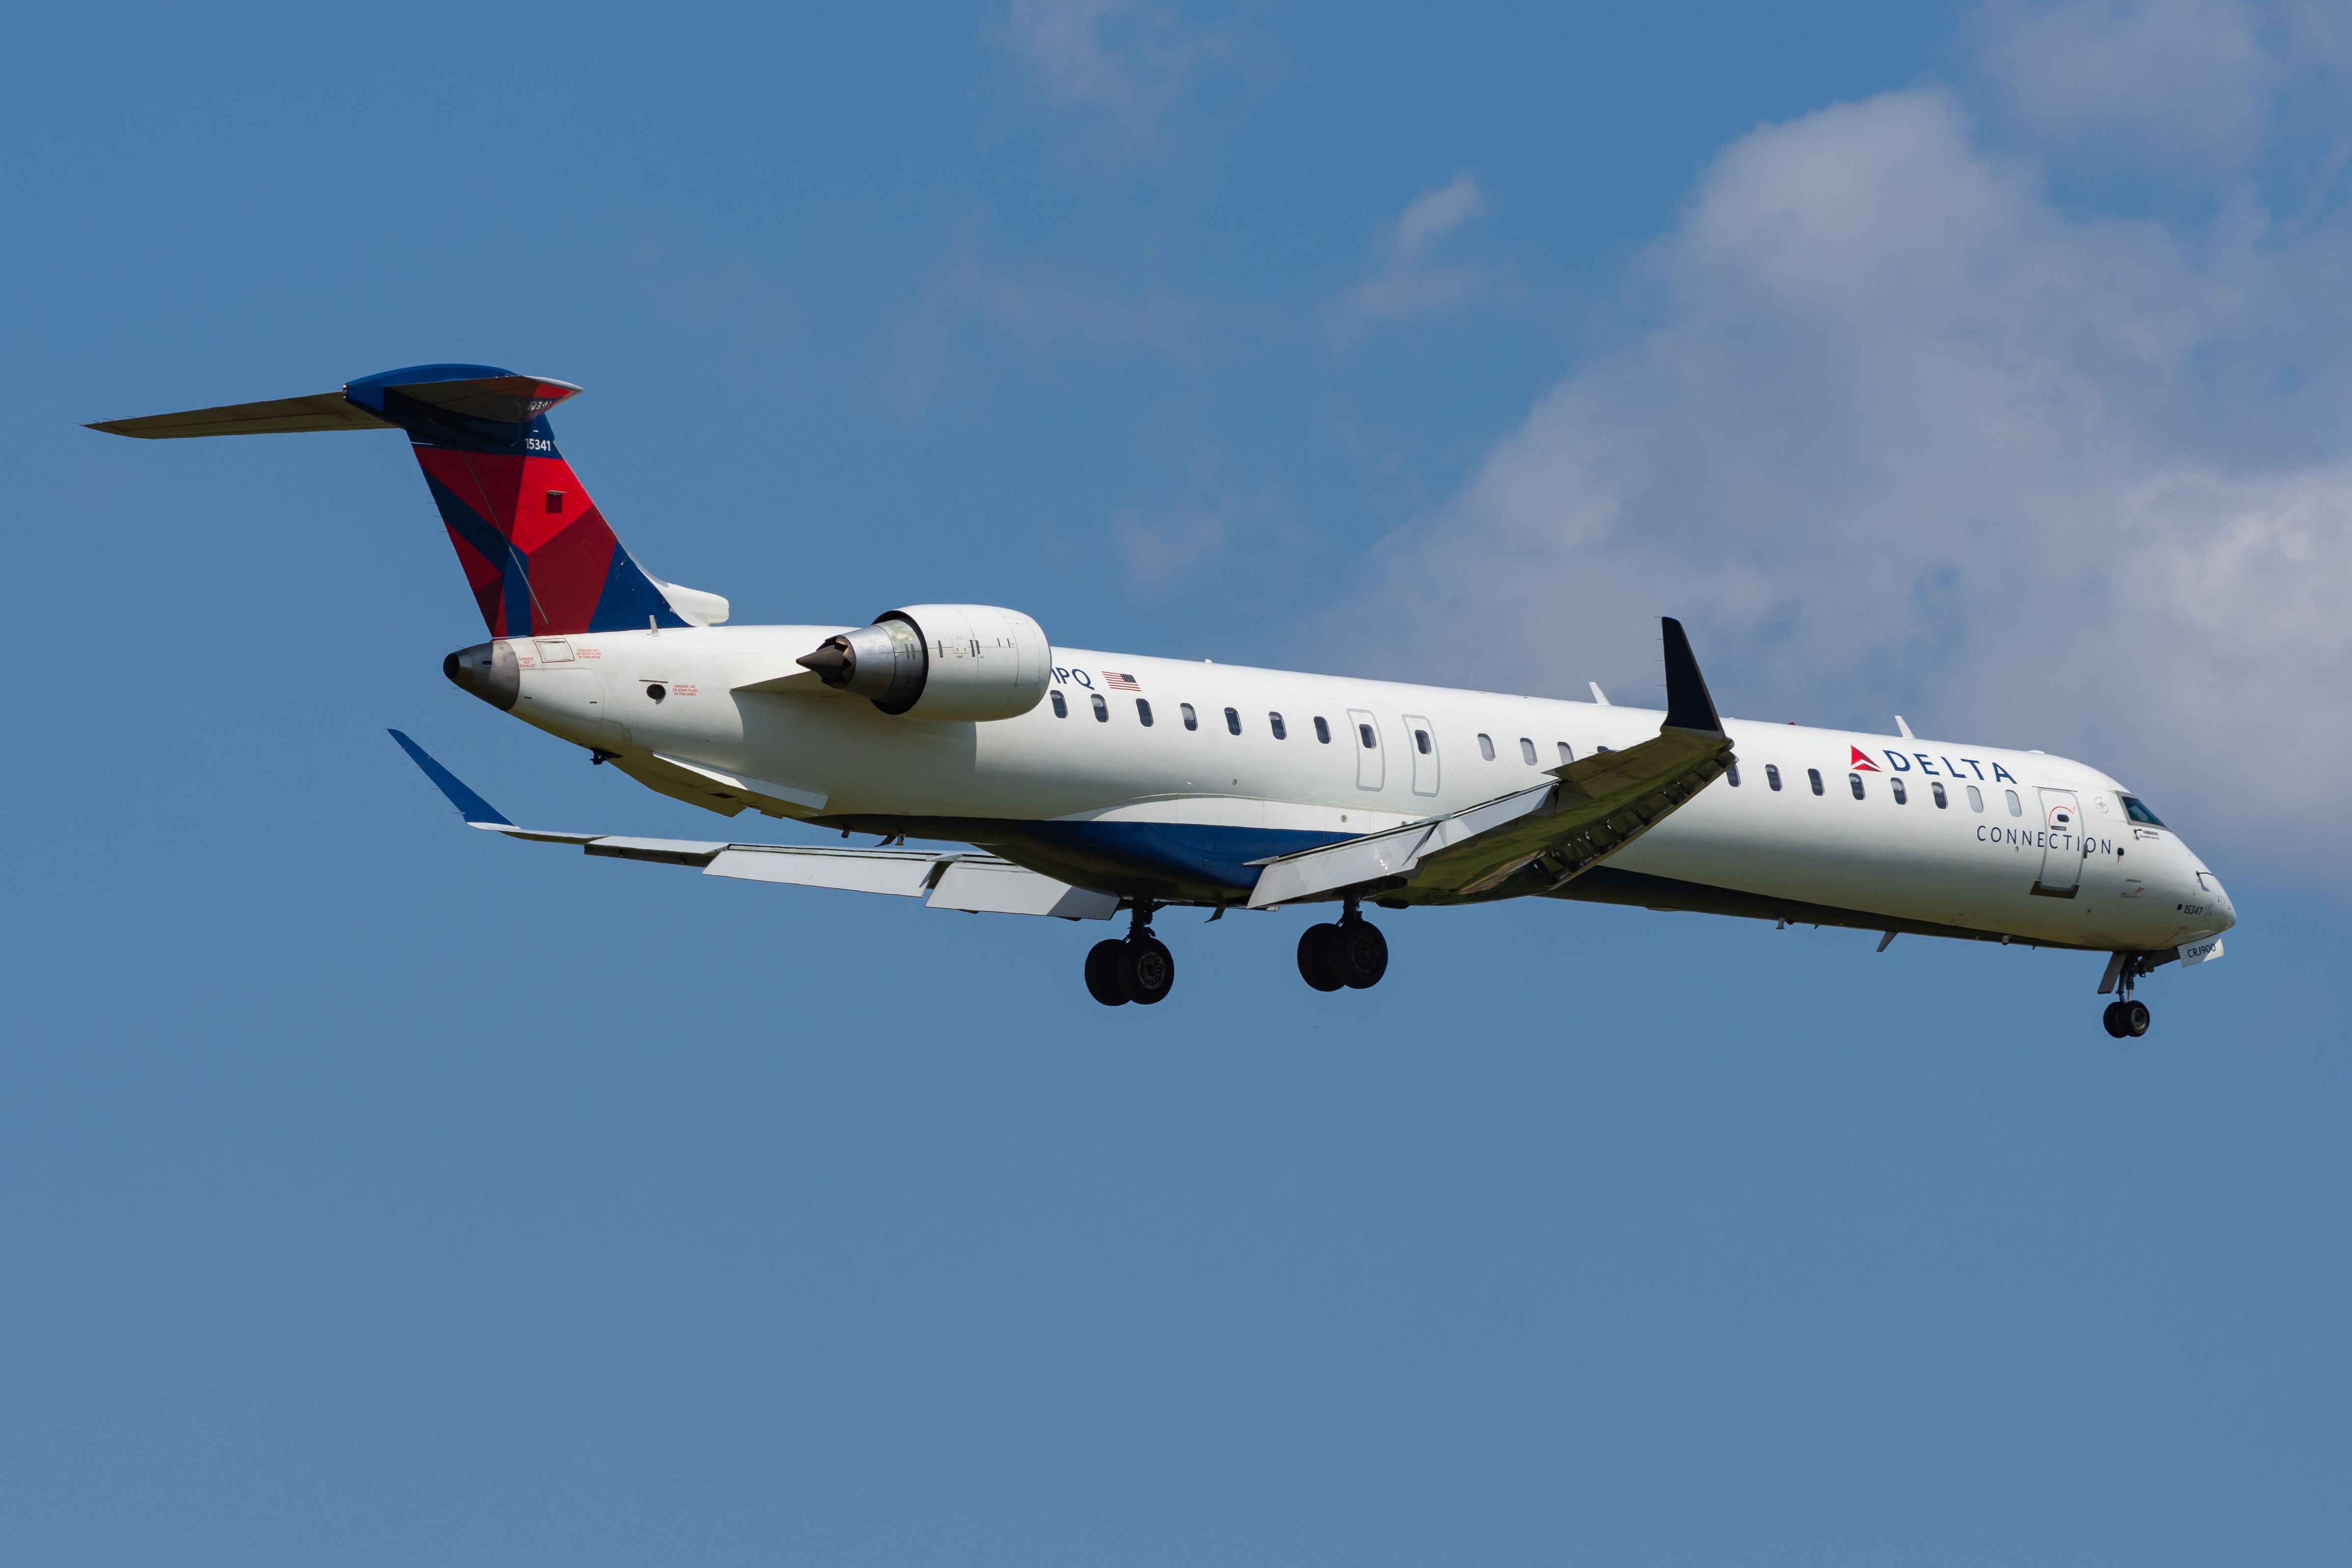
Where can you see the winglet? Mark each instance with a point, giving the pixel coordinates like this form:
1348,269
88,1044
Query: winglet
1688,707
470,807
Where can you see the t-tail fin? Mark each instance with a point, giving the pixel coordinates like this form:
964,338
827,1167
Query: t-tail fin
536,552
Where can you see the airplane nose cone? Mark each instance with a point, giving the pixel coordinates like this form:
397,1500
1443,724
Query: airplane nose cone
489,670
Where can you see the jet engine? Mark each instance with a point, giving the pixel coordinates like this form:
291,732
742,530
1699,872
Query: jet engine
941,661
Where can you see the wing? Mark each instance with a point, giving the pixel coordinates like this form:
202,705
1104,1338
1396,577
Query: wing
1552,833
946,879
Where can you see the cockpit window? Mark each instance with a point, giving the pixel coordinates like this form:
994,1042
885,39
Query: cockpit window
2139,812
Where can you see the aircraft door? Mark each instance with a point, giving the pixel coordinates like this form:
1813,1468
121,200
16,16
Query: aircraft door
1371,772
1422,736
2062,852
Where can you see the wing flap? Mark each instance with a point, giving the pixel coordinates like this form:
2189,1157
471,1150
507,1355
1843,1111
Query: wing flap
955,880
659,851
998,887
902,873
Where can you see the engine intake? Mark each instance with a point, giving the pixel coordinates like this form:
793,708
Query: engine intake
941,661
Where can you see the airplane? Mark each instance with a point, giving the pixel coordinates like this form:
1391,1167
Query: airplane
1091,784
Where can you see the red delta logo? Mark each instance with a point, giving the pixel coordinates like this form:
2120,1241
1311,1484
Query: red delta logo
1861,762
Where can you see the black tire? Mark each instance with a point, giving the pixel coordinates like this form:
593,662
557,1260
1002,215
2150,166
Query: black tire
1102,973
2136,1019
1359,954
1315,966
2113,1020
1146,970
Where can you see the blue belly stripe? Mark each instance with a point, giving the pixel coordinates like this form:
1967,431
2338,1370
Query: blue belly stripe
1185,849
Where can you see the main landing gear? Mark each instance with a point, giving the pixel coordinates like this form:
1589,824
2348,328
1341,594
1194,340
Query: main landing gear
1352,954
1139,970
1349,954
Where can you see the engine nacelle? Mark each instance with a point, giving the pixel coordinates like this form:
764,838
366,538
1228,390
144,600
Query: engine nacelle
941,661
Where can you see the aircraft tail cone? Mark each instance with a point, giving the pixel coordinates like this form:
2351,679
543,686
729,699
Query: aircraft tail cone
489,670
832,663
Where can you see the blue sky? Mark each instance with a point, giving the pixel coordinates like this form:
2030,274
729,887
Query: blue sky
375,1195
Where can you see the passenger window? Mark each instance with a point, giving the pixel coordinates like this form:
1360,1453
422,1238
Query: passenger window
1102,710
1975,798
1143,711
1191,720
1527,750
1732,772
1061,709
1322,731
2016,808
1486,747
1815,775
1232,721
1421,741
1853,781
1365,731
1942,801
1566,756
1274,721
1772,775
1897,784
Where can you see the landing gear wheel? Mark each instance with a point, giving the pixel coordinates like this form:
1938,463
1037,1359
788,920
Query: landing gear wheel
2112,1020
1102,973
1146,969
1359,954
1316,966
2134,1018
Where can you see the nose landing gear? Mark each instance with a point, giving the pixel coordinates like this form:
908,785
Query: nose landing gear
1139,970
1351,954
2125,1018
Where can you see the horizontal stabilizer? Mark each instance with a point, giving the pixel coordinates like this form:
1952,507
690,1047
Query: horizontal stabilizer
278,417
501,398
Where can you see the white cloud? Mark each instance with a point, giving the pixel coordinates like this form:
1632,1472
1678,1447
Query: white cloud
1903,434
1408,280
2167,78
2191,87
1125,61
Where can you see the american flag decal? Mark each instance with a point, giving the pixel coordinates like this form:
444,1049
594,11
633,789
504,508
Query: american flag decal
1118,683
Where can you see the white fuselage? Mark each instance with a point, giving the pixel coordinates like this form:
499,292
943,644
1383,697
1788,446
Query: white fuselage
1987,839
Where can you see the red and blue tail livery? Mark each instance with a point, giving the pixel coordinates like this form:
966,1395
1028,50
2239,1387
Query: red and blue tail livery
539,556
